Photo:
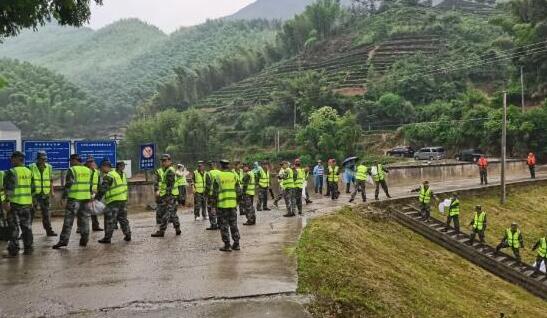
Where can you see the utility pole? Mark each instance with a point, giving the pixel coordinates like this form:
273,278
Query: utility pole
504,149
522,87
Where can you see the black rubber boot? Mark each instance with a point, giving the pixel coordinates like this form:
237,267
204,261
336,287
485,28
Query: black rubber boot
83,242
212,228
289,215
104,241
51,233
127,238
236,247
59,245
178,231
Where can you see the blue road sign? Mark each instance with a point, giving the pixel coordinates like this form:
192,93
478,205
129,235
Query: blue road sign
99,149
7,147
58,152
147,157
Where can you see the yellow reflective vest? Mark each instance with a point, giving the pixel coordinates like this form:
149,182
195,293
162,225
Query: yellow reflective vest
42,179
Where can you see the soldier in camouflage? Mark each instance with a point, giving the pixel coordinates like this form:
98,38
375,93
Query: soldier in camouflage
227,190
211,199
78,193
166,197
248,193
18,204
114,189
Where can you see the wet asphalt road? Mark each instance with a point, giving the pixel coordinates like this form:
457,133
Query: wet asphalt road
184,276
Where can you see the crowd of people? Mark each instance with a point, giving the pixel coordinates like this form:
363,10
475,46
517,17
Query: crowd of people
219,190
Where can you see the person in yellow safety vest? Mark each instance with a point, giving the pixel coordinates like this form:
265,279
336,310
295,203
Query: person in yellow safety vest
18,185
212,209
199,187
239,173
307,170
333,175
361,174
288,180
280,176
479,225
512,238
453,214
541,247
181,184
425,194
42,175
114,190
227,190
248,185
262,178
166,197
78,192
380,180
4,229
299,183
96,179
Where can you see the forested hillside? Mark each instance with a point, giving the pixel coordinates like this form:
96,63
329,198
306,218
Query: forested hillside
429,76
274,9
123,63
46,105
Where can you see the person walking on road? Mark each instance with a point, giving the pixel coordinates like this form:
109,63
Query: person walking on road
181,184
541,247
479,225
453,214
379,176
361,174
333,176
299,184
531,162
114,190
483,169
96,179
78,192
18,186
262,177
318,173
199,186
227,190
512,238
42,175
166,197
424,198
248,190
288,178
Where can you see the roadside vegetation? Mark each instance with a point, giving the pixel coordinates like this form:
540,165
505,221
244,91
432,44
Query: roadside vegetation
357,263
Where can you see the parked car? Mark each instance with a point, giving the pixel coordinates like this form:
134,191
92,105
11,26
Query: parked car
430,153
401,151
471,155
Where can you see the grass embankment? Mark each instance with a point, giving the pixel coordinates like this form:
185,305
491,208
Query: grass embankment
526,205
359,266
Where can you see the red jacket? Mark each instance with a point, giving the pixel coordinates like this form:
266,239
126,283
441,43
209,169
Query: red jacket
483,163
531,160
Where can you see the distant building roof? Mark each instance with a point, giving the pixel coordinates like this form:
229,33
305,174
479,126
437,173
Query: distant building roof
8,126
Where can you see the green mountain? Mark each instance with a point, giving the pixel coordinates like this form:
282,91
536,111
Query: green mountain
122,64
44,104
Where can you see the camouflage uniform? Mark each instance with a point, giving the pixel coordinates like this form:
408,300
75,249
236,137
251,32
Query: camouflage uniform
166,211
212,209
18,216
75,209
227,218
114,212
247,201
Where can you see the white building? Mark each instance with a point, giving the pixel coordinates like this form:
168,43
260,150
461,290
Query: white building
8,131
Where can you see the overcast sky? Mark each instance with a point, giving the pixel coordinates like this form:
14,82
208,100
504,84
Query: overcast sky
168,15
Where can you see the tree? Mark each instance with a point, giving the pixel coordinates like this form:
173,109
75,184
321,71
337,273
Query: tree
16,14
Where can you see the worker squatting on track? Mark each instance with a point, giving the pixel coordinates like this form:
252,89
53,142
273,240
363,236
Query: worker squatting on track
218,193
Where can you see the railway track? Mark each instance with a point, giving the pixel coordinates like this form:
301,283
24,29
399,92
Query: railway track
500,264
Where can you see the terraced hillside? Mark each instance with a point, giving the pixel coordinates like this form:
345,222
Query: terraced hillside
345,70
466,6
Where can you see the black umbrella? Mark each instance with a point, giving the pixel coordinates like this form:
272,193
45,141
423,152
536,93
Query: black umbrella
350,160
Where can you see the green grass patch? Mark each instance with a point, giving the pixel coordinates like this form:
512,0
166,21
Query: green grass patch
526,205
361,266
